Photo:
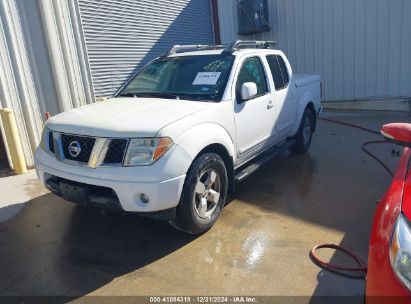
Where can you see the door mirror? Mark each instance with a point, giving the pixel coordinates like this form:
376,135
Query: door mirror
397,133
248,90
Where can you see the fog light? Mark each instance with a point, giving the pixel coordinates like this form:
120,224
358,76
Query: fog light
144,198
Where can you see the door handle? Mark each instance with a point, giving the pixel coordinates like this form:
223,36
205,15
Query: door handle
270,105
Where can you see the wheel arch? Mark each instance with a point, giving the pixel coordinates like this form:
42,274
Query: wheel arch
306,101
210,137
311,107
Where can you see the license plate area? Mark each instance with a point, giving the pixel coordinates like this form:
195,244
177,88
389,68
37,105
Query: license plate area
74,193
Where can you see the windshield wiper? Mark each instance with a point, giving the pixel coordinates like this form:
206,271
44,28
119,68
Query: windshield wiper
150,94
158,94
127,95
191,96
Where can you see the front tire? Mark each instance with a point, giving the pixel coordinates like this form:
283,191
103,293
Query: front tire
203,196
305,133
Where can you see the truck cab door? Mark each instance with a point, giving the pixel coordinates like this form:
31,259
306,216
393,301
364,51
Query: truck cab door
284,95
253,117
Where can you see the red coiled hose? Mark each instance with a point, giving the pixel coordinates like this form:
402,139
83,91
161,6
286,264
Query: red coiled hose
362,265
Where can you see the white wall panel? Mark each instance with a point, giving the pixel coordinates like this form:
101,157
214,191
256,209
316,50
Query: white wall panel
17,90
361,48
43,64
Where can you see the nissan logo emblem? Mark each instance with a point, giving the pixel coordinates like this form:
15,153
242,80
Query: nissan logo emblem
74,148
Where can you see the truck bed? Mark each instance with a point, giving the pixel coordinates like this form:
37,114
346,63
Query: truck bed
305,79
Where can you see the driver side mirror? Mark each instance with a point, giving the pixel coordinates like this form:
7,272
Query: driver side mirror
248,91
397,133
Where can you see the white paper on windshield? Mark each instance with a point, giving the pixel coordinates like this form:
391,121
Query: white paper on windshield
206,78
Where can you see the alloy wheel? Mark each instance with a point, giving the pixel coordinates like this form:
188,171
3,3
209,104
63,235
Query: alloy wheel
207,193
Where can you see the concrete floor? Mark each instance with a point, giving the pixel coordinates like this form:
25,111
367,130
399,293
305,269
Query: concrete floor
16,191
259,246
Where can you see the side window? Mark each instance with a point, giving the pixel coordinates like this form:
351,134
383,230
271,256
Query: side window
284,71
252,71
278,71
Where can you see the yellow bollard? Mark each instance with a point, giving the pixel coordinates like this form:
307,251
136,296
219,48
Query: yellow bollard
101,99
13,141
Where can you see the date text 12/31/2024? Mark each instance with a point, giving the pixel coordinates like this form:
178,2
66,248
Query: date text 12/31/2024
205,299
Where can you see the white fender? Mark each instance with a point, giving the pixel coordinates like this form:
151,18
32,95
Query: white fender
200,136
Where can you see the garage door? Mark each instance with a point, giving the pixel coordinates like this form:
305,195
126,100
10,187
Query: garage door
122,36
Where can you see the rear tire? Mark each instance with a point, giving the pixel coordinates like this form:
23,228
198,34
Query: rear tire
203,196
305,133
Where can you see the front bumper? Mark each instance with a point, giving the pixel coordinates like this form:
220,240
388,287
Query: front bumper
382,285
156,181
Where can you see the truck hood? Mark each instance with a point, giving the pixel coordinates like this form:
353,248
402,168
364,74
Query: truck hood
124,117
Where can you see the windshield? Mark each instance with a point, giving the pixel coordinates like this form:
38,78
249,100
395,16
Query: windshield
186,77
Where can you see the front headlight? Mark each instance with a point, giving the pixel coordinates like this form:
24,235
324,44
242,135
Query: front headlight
400,250
146,151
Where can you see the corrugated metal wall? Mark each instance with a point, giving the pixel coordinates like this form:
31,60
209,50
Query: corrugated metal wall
361,48
42,64
122,36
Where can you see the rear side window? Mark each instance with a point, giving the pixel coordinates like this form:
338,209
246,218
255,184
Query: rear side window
278,71
252,71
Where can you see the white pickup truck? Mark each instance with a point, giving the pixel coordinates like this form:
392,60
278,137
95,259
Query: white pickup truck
178,136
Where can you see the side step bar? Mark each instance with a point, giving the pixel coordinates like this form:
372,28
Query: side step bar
263,159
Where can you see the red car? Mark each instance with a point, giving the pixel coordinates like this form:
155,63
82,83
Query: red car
389,259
